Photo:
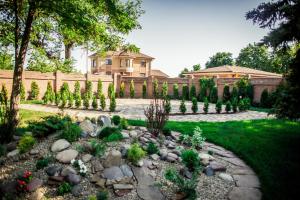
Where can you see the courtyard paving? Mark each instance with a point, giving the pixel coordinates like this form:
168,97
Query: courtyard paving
134,109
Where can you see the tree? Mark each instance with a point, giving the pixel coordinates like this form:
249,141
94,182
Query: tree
213,95
185,70
131,88
112,104
182,106
35,91
282,18
22,93
95,21
220,59
194,105
226,93
48,96
99,88
110,90
89,89
256,57
185,92
102,102
95,102
175,91
6,61
122,90
77,94
193,92
196,67
164,90
144,90
155,89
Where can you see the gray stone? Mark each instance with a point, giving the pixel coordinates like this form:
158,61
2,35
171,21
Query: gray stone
243,171
86,157
133,134
235,161
104,120
225,177
38,194
173,155
246,181
76,190
114,158
53,170
217,167
113,173
11,146
126,170
13,153
163,153
143,139
124,149
125,135
68,170
140,163
154,157
244,193
142,128
60,145
66,156
73,179
87,126
96,166
170,159
209,171
123,187
34,152
34,184
175,135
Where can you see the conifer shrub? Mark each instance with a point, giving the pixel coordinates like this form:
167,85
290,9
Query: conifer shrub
205,106
89,90
175,91
234,93
132,92
167,105
226,93
164,90
95,102
194,105
193,92
185,92
57,98
102,102
86,101
182,106
113,103
135,153
23,93
122,90
71,100
234,105
219,106
34,93
99,88
77,95
48,97
228,107
4,95
110,90
213,95
155,89
144,90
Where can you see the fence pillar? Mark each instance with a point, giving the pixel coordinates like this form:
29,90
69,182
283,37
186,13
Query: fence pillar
58,80
117,82
150,87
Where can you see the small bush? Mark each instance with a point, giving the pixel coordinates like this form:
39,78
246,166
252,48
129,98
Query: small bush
116,119
166,131
122,90
234,93
26,143
228,106
175,91
110,90
135,153
107,131
89,90
77,94
102,195
194,105
196,140
98,148
152,148
234,105
48,96
205,106
155,89
43,162
95,102
57,98
182,107
144,90
219,106
64,188
113,103
193,92
244,104
102,102
131,88
86,101
164,90
114,137
4,95
190,159
71,132
22,93
167,106
123,123
34,93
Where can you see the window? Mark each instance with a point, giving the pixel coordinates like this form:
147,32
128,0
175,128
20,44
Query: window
94,63
143,74
143,63
108,61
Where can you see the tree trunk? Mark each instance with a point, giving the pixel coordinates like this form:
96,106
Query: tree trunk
68,48
18,71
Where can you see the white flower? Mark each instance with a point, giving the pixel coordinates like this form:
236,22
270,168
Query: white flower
72,161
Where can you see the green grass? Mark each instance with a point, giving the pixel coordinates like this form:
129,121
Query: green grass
258,109
270,147
29,115
32,102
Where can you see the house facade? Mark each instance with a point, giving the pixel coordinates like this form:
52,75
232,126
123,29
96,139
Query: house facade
122,62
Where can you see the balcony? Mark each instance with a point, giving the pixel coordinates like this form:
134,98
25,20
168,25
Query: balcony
129,69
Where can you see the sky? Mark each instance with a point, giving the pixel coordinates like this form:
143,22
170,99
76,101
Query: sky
183,33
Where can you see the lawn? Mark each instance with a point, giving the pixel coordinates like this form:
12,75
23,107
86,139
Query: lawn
268,146
29,115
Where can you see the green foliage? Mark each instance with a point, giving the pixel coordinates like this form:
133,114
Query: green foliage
2,150
226,93
123,123
132,92
95,102
103,195
99,88
113,103
71,100
185,92
144,90
205,106
43,162
182,107
89,89
34,93
213,95
71,132
49,94
116,119
6,60
190,159
155,89
23,93
135,153
110,90
152,148
206,87
234,93
114,137
98,148
26,143
196,140
220,59
196,67
234,105
228,106
77,94
92,197
164,90
107,131
86,101
244,104
194,105
166,131
175,91
193,92
102,102
64,188
65,93
219,106
184,185
122,90
264,99
242,85
167,105
4,95
185,70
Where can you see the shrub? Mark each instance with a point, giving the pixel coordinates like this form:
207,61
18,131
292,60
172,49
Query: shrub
122,90
86,101
99,88
34,92
205,106
219,106
250,92
43,162
23,93
77,94
23,180
193,92
48,96
202,95
196,140
4,95
89,90
155,89
71,100
144,90
190,159
264,99
65,93
131,88
113,103
71,132
106,131
244,104
228,106
116,119
175,91
2,150
234,93
213,95
98,148
226,93
184,185
110,90
64,188
26,143
92,197
182,106
185,92
102,102
166,131
123,123
152,148
57,98
95,102
164,90
194,105
135,153
234,105
114,137
103,195
167,105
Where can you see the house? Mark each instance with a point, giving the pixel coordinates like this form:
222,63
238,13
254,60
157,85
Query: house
158,73
122,62
232,72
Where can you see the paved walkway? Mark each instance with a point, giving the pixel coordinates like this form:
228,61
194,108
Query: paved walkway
134,109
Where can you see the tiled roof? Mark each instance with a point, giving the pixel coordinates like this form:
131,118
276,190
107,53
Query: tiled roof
125,54
235,69
157,72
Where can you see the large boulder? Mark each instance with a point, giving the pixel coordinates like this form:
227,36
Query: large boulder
60,145
113,173
87,127
104,120
66,156
114,158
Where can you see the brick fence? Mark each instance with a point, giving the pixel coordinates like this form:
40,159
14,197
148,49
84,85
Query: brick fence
57,79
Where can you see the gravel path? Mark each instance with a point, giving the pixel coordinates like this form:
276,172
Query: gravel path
134,109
